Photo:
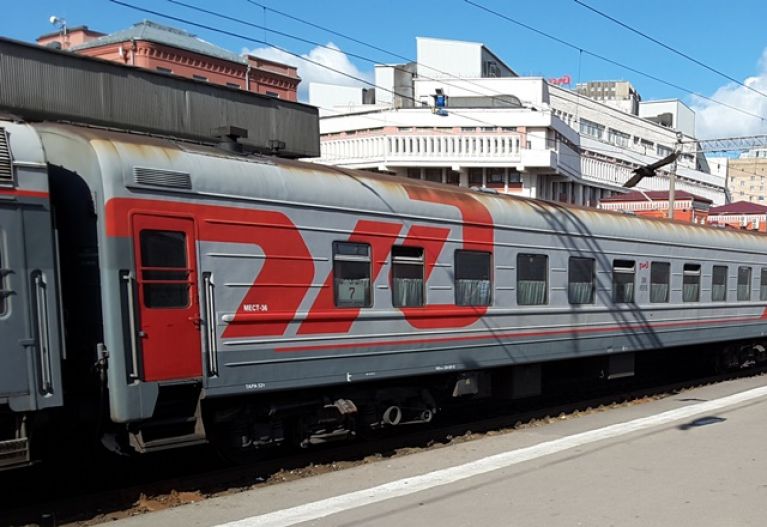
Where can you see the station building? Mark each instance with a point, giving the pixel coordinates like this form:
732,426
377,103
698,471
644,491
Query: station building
174,51
688,207
742,215
461,116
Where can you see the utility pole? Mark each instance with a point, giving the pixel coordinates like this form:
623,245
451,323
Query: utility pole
672,176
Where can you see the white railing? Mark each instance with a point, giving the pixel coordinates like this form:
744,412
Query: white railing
413,148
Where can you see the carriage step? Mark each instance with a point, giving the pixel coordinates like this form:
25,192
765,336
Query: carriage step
14,453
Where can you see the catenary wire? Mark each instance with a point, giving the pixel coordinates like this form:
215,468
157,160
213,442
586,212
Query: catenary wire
609,60
668,47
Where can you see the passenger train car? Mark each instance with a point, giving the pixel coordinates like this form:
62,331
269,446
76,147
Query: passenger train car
175,293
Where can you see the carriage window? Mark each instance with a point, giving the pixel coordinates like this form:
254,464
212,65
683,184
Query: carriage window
763,285
532,279
719,283
351,274
691,283
407,276
164,271
660,275
623,281
580,287
744,283
472,278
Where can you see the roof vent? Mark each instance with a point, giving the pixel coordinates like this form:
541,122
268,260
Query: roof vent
157,177
6,162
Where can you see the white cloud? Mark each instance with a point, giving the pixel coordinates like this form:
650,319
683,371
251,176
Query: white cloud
714,120
331,58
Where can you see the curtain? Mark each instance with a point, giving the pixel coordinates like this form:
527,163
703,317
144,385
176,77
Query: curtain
531,292
744,292
718,292
472,292
623,292
658,292
580,292
407,292
690,292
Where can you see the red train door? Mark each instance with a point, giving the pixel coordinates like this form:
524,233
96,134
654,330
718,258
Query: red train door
169,310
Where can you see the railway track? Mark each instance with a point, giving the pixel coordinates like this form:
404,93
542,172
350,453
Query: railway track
102,489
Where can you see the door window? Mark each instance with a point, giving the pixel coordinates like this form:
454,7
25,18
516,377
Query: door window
164,269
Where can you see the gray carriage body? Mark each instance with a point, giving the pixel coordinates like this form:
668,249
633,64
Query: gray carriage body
261,238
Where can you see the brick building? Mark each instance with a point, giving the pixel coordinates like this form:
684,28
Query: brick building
174,51
741,215
654,204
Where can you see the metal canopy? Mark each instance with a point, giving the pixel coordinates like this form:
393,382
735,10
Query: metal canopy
38,83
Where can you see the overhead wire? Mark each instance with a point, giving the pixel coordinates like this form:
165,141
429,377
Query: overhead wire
668,47
609,60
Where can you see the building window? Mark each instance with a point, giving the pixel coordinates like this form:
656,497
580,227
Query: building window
763,285
719,284
433,174
475,177
351,274
272,94
623,281
453,178
164,70
496,177
663,151
580,280
660,277
468,129
744,283
618,138
472,278
532,279
514,176
592,129
164,273
414,173
691,283
233,85
407,276
200,78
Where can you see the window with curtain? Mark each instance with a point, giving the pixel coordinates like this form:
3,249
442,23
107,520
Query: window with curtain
691,283
407,287
763,285
623,281
719,283
351,274
660,281
580,280
744,283
473,285
532,279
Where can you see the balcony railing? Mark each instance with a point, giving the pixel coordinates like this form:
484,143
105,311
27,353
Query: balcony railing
412,148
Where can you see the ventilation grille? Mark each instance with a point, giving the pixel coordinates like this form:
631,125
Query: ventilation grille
6,163
155,177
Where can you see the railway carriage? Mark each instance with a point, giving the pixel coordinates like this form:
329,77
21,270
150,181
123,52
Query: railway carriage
177,292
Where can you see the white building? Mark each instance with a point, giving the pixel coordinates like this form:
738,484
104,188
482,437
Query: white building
514,134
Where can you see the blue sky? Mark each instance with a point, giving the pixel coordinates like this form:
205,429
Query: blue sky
729,36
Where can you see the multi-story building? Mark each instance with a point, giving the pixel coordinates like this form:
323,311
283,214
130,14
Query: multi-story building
688,208
443,119
177,52
747,175
618,94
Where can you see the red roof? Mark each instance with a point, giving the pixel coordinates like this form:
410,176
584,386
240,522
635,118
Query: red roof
655,195
739,207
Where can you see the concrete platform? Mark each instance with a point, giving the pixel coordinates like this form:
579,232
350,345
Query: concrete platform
699,458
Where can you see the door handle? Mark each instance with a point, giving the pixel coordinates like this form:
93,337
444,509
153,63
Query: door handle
196,321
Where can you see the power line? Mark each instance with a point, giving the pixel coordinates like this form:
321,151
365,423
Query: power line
669,48
610,61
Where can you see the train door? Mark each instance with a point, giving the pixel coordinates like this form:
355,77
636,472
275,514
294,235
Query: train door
169,310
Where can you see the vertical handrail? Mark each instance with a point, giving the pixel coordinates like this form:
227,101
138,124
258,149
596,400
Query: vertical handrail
43,333
130,279
210,324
